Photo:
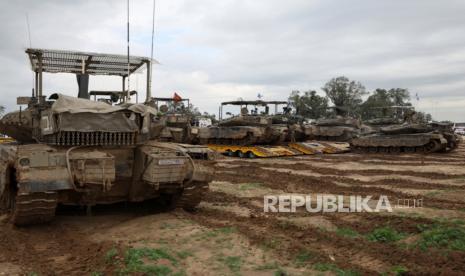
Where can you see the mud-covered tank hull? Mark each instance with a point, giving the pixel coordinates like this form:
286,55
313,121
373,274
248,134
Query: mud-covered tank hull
239,135
409,143
35,178
331,133
337,129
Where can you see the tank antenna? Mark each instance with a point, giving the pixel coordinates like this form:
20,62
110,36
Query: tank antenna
151,50
128,93
28,30
30,46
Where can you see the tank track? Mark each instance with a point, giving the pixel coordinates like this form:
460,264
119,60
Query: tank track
192,195
431,147
341,138
34,208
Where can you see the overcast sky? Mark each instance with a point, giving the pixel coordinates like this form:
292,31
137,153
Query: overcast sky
213,51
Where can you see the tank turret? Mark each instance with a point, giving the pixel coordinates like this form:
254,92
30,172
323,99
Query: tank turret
249,128
77,151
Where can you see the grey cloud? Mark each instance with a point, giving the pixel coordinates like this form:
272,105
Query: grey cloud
246,47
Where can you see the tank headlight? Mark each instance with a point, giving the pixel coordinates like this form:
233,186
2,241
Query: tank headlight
24,161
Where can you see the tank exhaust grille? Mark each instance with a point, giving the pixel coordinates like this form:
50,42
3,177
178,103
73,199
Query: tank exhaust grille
76,138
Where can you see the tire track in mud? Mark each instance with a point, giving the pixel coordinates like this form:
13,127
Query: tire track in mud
265,232
391,162
361,222
51,250
293,240
293,183
429,262
416,158
335,170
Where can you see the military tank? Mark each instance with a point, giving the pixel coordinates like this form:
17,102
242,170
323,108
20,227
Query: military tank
447,130
74,151
248,128
338,129
177,119
408,138
378,123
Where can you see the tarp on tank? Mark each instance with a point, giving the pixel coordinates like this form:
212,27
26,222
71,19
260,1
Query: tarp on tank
75,114
76,105
92,122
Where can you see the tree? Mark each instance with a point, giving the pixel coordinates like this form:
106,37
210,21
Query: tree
2,109
385,103
400,96
377,105
424,117
309,105
346,95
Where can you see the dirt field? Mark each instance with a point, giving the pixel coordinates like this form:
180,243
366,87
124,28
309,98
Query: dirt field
231,235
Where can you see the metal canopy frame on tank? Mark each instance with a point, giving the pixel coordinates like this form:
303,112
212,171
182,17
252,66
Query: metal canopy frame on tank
82,63
253,103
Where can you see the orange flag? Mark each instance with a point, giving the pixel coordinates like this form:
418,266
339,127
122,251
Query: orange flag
176,97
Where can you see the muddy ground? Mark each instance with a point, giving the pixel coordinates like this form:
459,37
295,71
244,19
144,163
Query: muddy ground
231,235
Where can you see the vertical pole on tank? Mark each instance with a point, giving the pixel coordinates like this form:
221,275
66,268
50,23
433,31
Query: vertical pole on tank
124,87
149,81
36,88
39,57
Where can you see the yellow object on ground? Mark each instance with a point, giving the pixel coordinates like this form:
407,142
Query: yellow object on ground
292,149
6,140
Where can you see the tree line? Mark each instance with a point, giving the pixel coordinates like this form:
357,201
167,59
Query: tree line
347,99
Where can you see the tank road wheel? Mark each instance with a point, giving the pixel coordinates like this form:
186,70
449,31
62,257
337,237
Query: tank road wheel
373,149
8,197
432,146
229,153
394,150
356,149
382,149
192,195
251,155
451,145
240,154
409,149
34,208
27,208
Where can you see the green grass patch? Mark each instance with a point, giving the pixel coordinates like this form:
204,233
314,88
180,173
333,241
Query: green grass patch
324,267
268,266
166,225
184,254
280,272
385,234
220,231
451,237
135,261
250,186
285,224
347,232
459,180
110,255
234,263
271,244
434,193
303,258
399,270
